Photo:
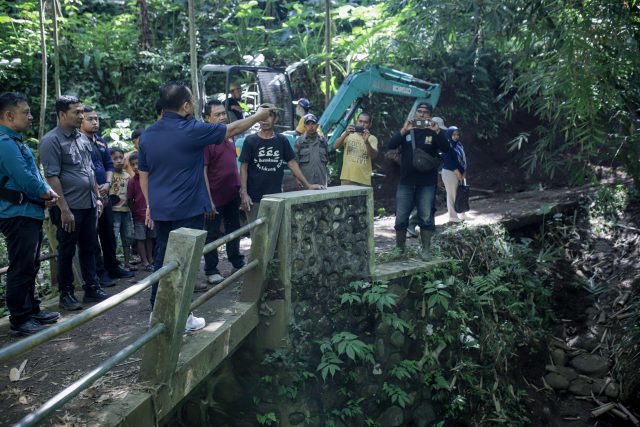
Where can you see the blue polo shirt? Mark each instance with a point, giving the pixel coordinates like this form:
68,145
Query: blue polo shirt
101,158
172,152
19,166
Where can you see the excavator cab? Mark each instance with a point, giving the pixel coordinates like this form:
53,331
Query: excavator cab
252,86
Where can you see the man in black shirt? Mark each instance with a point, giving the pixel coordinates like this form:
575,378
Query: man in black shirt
262,161
417,188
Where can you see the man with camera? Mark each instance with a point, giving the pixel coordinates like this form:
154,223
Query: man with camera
418,141
360,148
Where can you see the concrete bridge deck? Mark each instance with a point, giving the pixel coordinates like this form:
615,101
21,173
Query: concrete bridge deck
57,364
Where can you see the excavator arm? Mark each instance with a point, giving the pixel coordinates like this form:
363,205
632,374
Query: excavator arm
373,79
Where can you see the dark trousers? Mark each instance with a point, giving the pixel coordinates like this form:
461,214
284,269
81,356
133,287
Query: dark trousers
163,228
107,243
230,214
24,237
85,236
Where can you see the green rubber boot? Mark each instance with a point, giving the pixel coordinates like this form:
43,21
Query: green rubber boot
425,239
401,242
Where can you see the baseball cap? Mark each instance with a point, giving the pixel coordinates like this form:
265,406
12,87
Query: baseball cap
303,102
440,122
310,118
425,105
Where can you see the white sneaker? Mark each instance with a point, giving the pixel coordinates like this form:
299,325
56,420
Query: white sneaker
194,323
214,279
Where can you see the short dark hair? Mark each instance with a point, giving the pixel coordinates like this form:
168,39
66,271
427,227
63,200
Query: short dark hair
87,109
173,95
209,105
365,113
158,107
113,150
64,103
136,134
11,99
133,156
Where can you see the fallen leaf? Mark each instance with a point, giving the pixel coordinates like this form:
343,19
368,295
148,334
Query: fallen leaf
16,373
23,400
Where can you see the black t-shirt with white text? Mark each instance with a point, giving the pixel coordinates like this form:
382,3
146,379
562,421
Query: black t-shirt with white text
266,160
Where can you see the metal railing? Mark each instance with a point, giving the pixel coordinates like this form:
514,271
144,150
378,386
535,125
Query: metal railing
43,257
153,334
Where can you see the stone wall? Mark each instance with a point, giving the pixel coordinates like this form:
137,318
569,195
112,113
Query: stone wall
325,250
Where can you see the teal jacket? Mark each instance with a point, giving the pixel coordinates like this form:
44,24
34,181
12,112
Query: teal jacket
18,164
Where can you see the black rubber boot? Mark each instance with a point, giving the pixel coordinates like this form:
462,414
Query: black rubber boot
425,239
401,241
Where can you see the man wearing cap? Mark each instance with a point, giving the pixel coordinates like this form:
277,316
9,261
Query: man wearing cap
360,148
262,161
232,104
302,109
417,188
312,152
23,195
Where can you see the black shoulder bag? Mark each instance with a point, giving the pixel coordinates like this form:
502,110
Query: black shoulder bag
14,196
461,204
422,161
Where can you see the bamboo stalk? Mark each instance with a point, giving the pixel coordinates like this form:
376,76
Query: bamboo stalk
43,92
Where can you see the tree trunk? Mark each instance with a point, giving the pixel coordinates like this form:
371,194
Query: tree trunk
194,60
145,34
43,93
55,6
327,46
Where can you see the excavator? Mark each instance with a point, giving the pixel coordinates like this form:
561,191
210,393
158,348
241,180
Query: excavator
272,85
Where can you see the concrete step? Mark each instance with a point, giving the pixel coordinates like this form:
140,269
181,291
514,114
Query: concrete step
403,268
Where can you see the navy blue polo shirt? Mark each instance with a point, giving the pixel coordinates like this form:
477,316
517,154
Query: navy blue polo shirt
172,152
101,158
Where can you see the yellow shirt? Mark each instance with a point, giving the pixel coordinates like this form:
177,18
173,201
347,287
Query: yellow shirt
300,127
356,164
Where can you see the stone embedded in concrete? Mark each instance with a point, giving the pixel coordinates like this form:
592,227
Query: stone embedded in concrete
590,364
380,350
424,415
557,381
611,390
580,387
397,339
296,418
392,417
565,371
559,357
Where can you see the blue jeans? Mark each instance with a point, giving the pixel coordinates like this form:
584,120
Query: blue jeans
163,228
420,197
123,227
